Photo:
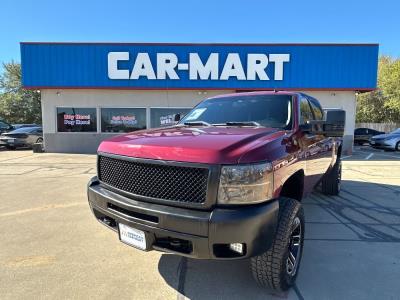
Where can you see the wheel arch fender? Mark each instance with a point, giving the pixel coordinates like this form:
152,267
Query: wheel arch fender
293,186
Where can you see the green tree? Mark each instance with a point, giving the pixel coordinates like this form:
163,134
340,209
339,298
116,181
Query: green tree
18,105
389,83
383,104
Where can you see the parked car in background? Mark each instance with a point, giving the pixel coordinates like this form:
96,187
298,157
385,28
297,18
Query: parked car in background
21,137
4,126
16,126
363,135
390,141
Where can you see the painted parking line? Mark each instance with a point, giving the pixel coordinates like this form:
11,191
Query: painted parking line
378,153
42,208
369,156
387,155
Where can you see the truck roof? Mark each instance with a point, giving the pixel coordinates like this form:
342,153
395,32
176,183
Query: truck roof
255,94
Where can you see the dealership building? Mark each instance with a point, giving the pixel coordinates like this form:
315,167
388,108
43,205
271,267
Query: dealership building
92,91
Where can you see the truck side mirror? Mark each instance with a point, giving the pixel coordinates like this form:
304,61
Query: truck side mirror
332,125
177,117
335,120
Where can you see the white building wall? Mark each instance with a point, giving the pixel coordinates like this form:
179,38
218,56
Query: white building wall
88,142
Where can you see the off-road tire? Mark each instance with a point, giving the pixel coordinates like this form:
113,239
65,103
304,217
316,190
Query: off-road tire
270,268
331,181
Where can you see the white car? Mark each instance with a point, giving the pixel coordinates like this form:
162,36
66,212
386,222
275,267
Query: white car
389,141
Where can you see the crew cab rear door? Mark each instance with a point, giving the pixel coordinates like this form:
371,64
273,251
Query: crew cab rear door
324,143
317,148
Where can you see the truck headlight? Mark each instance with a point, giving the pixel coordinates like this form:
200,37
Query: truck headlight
245,184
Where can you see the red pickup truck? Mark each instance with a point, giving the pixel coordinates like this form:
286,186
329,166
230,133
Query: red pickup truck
225,182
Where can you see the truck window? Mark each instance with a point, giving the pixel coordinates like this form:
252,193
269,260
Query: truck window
318,112
268,110
305,111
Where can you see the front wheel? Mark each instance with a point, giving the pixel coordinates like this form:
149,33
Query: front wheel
278,267
397,148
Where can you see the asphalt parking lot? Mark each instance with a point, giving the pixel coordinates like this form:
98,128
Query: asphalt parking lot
52,247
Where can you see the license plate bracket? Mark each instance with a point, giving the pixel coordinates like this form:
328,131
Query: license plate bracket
134,237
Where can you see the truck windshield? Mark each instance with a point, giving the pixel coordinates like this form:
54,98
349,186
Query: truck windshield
264,110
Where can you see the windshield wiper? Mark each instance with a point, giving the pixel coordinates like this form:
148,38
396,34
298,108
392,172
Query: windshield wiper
197,123
249,123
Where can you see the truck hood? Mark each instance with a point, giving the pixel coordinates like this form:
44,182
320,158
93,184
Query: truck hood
209,145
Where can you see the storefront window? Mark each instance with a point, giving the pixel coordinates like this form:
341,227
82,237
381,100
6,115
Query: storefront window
123,119
161,117
70,119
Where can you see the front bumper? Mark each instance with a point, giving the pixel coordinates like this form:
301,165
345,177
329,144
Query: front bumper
189,232
12,142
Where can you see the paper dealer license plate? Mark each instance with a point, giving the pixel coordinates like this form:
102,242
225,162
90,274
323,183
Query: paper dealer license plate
132,236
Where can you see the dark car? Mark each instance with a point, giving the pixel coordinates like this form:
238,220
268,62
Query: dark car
4,126
363,135
22,137
390,141
16,126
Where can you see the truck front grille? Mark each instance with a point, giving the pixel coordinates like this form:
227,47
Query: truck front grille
159,181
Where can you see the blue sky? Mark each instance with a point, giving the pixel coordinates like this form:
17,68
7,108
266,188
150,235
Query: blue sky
339,21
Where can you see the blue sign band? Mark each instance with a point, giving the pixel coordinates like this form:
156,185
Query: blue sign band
199,66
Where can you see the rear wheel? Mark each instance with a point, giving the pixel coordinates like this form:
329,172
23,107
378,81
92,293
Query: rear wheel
331,181
277,268
39,140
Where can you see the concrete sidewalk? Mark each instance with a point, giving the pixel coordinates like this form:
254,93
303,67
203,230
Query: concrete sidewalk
52,247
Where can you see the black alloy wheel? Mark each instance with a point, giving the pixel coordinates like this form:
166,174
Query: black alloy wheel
295,246
277,268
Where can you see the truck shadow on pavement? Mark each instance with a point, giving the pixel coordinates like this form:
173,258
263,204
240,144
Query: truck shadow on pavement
212,279
368,212
363,212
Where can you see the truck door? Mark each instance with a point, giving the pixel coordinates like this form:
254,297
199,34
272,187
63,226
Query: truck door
324,144
314,146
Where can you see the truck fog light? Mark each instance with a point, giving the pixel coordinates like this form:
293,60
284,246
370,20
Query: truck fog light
237,247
